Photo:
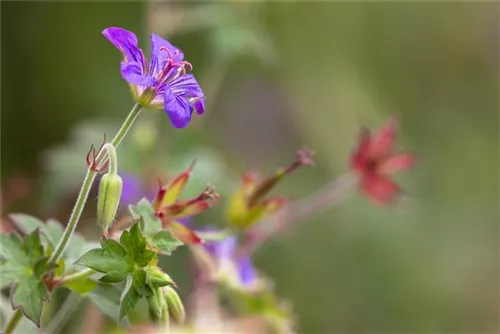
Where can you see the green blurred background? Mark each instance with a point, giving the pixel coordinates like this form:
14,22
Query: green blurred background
278,75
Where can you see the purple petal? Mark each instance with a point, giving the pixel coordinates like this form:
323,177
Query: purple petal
199,105
161,50
223,250
177,108
132,189
186,85
127,43
246,270
132,72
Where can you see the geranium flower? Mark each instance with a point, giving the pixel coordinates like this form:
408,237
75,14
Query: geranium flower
163,83
375,160
249,205
134,190
232,263
174,213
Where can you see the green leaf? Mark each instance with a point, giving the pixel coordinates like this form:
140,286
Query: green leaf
11,249
52,230
10,272
140,282
135,243
107,299
28,294
25,268
113,277
32,246
41,267
103,261
144,211
113,247
82,287
129,299
26,223
165,242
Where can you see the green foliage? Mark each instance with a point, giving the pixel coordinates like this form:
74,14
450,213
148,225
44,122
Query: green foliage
24,267
51,233
107,299
130,260
82,287
160,240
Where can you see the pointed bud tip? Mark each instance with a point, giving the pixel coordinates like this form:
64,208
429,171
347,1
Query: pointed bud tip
305,156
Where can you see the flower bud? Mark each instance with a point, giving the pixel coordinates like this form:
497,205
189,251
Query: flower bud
156,304
110,191
157,277
174,304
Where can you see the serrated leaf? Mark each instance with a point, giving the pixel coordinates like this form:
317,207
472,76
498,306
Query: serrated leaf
41,267
113,277
103,261
28,294
82,287
32,246
52,230
140,283
10,272
23,268
113,247
107,299
11,249
165,242
76,248
135,243
26,223
144,211
128,299
146,257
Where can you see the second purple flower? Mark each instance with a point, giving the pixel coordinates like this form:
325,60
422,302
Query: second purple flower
163,83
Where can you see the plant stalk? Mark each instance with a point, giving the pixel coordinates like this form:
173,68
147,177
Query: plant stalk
87,184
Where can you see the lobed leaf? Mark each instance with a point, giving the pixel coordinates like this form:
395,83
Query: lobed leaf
103,261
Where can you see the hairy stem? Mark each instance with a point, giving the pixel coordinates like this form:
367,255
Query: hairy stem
86,185
13,321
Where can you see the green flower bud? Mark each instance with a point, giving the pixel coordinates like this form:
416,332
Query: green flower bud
110,191
157,277
174,304
156,304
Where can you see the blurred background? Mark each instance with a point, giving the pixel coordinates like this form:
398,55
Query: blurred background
276,76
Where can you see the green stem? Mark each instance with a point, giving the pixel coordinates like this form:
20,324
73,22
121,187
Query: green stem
87,183
113,161
80,275
63,314
13,321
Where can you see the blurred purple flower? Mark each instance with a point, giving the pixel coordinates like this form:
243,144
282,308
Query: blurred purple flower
164,83
134,190
225,252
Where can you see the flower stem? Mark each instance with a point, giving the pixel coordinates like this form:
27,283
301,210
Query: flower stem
300,210
113,161
13,321
86,185
79,275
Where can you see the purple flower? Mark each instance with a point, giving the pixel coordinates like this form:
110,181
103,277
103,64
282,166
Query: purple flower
164,82
133,190
225,252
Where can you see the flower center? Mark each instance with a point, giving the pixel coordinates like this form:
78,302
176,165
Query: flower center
171,69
